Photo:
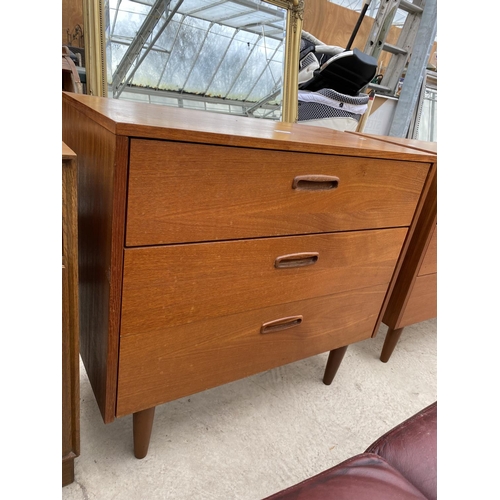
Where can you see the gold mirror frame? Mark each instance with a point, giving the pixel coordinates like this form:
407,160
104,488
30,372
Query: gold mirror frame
294,18
95,47
95,52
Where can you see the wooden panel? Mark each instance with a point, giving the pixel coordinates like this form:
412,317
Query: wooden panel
174,285
181,192
176,362
418,243
427,146
70,335
422,304
102,162
155,121
72,16
429,264
334,25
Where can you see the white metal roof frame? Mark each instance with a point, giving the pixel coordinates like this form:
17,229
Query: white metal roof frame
219,51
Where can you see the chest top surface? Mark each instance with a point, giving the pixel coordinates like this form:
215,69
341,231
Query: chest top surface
152,121
429,147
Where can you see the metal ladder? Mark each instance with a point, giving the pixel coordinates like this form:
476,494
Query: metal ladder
413,45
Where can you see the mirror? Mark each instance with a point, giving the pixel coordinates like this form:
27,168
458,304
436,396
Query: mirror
229,56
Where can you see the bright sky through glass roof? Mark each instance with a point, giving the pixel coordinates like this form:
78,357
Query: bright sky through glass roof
230,50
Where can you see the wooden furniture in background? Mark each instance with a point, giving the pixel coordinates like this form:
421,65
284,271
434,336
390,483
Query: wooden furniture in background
214,247
71,20
414,297
70,317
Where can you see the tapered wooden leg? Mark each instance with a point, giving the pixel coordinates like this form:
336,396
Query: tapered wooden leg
142,425
332,365
391,339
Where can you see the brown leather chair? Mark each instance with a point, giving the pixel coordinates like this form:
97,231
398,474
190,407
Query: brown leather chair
400,465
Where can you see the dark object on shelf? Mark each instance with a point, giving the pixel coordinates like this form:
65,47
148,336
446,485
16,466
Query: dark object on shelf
78,55
347,73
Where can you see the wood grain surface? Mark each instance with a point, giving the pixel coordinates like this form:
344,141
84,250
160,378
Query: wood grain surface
183,217
178,361
429,263
155,121
334,24
102,160
419,243
422,303
70,316
178,284
181,192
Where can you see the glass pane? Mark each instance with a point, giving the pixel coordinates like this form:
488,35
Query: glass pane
230,50
427,125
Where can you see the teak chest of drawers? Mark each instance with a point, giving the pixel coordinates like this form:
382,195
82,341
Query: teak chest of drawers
414,296
214,247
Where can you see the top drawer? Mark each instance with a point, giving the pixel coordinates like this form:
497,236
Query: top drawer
183,192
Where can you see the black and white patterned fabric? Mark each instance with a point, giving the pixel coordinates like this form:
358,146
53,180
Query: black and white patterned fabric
313,53
307,67
307,49
327,103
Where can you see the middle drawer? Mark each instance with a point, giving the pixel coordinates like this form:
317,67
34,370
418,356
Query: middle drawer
179,284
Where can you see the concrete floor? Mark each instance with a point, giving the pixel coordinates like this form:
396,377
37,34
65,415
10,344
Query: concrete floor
250,438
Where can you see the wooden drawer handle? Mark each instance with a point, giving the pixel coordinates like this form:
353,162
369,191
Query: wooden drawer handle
281,324
315,182
296,260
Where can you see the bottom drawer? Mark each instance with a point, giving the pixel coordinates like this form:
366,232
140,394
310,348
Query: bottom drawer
179,361
422,304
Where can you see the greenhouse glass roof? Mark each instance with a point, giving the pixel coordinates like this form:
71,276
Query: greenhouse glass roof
217,55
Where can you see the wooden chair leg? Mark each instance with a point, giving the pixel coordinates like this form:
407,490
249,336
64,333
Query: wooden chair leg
391,339
142,427
332,365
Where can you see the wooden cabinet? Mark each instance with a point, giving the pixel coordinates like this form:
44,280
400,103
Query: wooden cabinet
215,247
414,297
70,341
